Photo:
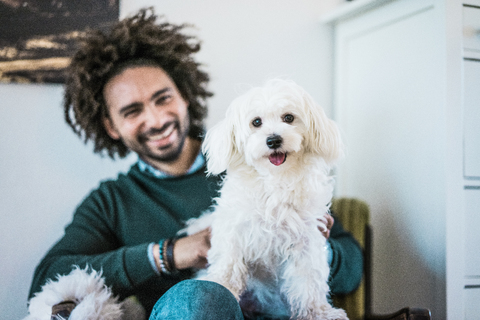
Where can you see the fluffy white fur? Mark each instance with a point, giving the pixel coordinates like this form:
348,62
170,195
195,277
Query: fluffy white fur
265,236
88,290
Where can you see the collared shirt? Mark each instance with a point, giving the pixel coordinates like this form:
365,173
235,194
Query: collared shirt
145,167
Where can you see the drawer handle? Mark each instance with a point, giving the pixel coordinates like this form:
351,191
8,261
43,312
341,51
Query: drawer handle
471,32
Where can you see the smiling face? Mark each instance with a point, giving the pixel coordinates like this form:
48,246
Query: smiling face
147,112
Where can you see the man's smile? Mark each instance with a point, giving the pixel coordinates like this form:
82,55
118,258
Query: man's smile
161,138
166,132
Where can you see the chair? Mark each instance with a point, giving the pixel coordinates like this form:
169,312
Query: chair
354,215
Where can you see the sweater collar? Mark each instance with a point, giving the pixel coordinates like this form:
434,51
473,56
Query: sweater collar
145,167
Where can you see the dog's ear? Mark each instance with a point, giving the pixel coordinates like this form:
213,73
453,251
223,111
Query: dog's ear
220,146
323,133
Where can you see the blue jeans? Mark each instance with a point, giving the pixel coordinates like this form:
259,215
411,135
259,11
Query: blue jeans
197,300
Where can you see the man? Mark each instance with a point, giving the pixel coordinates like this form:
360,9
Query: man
138,89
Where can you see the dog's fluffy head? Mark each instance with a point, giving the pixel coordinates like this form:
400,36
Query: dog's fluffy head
271,127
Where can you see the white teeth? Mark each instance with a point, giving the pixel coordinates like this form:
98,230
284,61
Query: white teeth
163,135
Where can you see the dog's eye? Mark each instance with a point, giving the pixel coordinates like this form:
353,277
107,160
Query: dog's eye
288,118
257,122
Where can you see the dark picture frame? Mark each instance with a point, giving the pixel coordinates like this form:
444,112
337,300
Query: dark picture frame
38,37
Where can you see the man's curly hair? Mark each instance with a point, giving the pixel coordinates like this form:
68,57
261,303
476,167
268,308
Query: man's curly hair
138,40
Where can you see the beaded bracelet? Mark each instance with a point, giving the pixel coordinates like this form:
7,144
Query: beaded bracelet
161,251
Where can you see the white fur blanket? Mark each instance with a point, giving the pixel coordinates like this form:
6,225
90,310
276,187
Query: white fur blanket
94,300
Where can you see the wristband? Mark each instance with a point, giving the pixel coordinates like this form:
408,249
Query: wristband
169,255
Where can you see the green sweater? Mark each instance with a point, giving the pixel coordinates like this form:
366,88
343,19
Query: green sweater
113,226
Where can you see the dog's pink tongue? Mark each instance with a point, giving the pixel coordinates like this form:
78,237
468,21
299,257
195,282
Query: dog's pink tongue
277,158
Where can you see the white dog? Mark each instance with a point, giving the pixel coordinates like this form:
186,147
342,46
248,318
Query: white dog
277,147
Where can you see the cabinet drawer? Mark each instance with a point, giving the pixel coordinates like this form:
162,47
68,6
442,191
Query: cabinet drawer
471,118
471,28
472,307
472,234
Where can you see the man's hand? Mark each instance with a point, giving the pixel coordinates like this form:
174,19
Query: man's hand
328,223
191,251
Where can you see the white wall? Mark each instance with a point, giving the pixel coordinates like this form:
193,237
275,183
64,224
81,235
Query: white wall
246,42
45,170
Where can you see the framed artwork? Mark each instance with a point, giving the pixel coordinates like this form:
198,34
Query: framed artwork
38,37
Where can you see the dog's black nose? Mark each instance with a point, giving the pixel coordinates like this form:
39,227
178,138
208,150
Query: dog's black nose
274,142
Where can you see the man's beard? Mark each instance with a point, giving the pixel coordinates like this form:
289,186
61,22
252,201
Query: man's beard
146,153
172,154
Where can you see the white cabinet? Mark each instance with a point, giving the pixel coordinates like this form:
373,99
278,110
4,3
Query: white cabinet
471,158
407,94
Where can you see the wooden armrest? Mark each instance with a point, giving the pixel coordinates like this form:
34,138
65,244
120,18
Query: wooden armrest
62,310
404,314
